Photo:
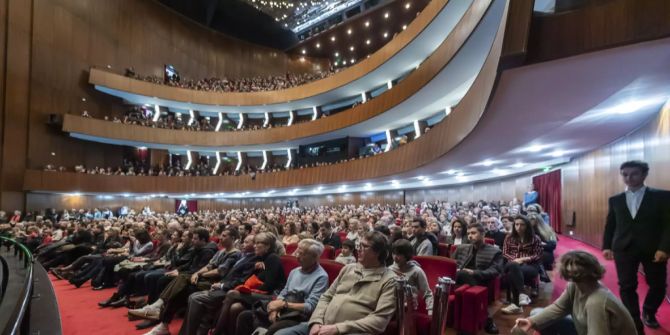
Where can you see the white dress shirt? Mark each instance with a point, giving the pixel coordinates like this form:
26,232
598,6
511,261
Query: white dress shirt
634,199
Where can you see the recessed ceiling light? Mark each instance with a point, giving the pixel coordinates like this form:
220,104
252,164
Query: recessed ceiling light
318,45
421,177
337,54
367,23
368,186
404,26
407,5
535,148
386,15
351,48
352,61
332,38
487,162
557,153
451,172
386,35
304,51
519,165
367,42
349,31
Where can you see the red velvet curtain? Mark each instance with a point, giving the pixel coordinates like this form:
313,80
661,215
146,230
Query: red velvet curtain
548,187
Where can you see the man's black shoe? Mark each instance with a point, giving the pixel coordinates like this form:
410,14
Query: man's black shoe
147,324
119,302
106,303
490,327
650,321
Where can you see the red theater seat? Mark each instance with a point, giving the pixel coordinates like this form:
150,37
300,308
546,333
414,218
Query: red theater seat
328,252
290,248
332,268
343,235
289,263
489,241
443,249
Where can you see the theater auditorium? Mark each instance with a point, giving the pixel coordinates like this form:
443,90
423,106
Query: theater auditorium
326,167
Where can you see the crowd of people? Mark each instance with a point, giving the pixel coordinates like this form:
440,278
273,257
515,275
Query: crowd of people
202,261
252,84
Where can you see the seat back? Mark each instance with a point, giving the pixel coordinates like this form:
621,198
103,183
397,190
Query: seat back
343,235
489,240
290,248
328,252
435,267
288,263
332,268
443,249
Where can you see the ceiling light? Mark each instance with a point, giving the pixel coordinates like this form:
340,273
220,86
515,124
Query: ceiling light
335,63
407,5
332,38
337,54
351,48
386,35
367,42
367,23
499,172
451,172
395,182
447,110
318,45
342,188
368,186
404,26
535,148
386,15
487,162
352,61
304,51
421,177
349,31
344,62
519,165
557,153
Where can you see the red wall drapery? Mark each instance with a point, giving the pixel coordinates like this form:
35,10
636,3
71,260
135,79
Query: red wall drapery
548,187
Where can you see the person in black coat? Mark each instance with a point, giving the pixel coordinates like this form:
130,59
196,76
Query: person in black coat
637,231
327,236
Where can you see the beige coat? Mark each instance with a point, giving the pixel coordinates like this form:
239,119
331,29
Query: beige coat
360,301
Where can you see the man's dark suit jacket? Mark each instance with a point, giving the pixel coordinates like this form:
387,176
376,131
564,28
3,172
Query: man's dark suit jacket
488,263
648,232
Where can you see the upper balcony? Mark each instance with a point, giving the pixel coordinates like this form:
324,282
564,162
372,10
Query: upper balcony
399,56
371,115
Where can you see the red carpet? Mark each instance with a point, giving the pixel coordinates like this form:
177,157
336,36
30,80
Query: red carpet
566,244
80,313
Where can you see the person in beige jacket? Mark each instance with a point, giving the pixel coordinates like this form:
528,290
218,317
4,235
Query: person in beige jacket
362,298
585,307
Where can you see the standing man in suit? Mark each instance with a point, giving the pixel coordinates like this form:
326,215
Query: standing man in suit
638,232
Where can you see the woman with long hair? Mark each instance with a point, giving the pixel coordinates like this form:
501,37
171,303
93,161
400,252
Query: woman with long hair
548,238
522,250
459,233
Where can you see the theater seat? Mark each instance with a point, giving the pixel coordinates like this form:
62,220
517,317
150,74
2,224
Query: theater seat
328,252
342,235
489,241
332,268
443,249
288,263
290,248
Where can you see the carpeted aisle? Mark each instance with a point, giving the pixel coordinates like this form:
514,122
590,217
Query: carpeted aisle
80,314
566,244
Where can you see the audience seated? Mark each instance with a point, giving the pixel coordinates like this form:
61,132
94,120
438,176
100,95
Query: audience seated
169,265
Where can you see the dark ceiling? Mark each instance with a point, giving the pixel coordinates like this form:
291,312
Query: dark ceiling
237,19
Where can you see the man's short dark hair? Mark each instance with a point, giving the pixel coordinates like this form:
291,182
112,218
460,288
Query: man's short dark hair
643,166
477,226
349,244
203,234
325,225
383,229
248,227
403,247
233,233
422,222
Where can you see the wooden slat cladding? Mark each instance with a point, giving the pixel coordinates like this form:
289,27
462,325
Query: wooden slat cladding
387,100
596,27
440,140
119,82
590,180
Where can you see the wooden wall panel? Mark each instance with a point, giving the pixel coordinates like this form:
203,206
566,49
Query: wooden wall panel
500,189
590,180
606,24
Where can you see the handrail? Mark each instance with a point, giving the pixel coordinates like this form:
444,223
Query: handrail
19,319
439,141
415,81
101,77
